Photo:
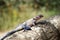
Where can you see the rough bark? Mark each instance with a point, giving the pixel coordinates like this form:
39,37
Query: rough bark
42,31
55,20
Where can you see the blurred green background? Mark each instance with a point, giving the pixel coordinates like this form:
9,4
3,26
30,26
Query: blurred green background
13,12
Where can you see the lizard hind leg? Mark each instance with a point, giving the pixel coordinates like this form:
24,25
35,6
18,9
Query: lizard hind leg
26,28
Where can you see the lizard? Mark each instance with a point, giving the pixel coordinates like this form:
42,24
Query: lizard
24,26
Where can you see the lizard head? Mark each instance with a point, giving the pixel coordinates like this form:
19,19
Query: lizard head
38,17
